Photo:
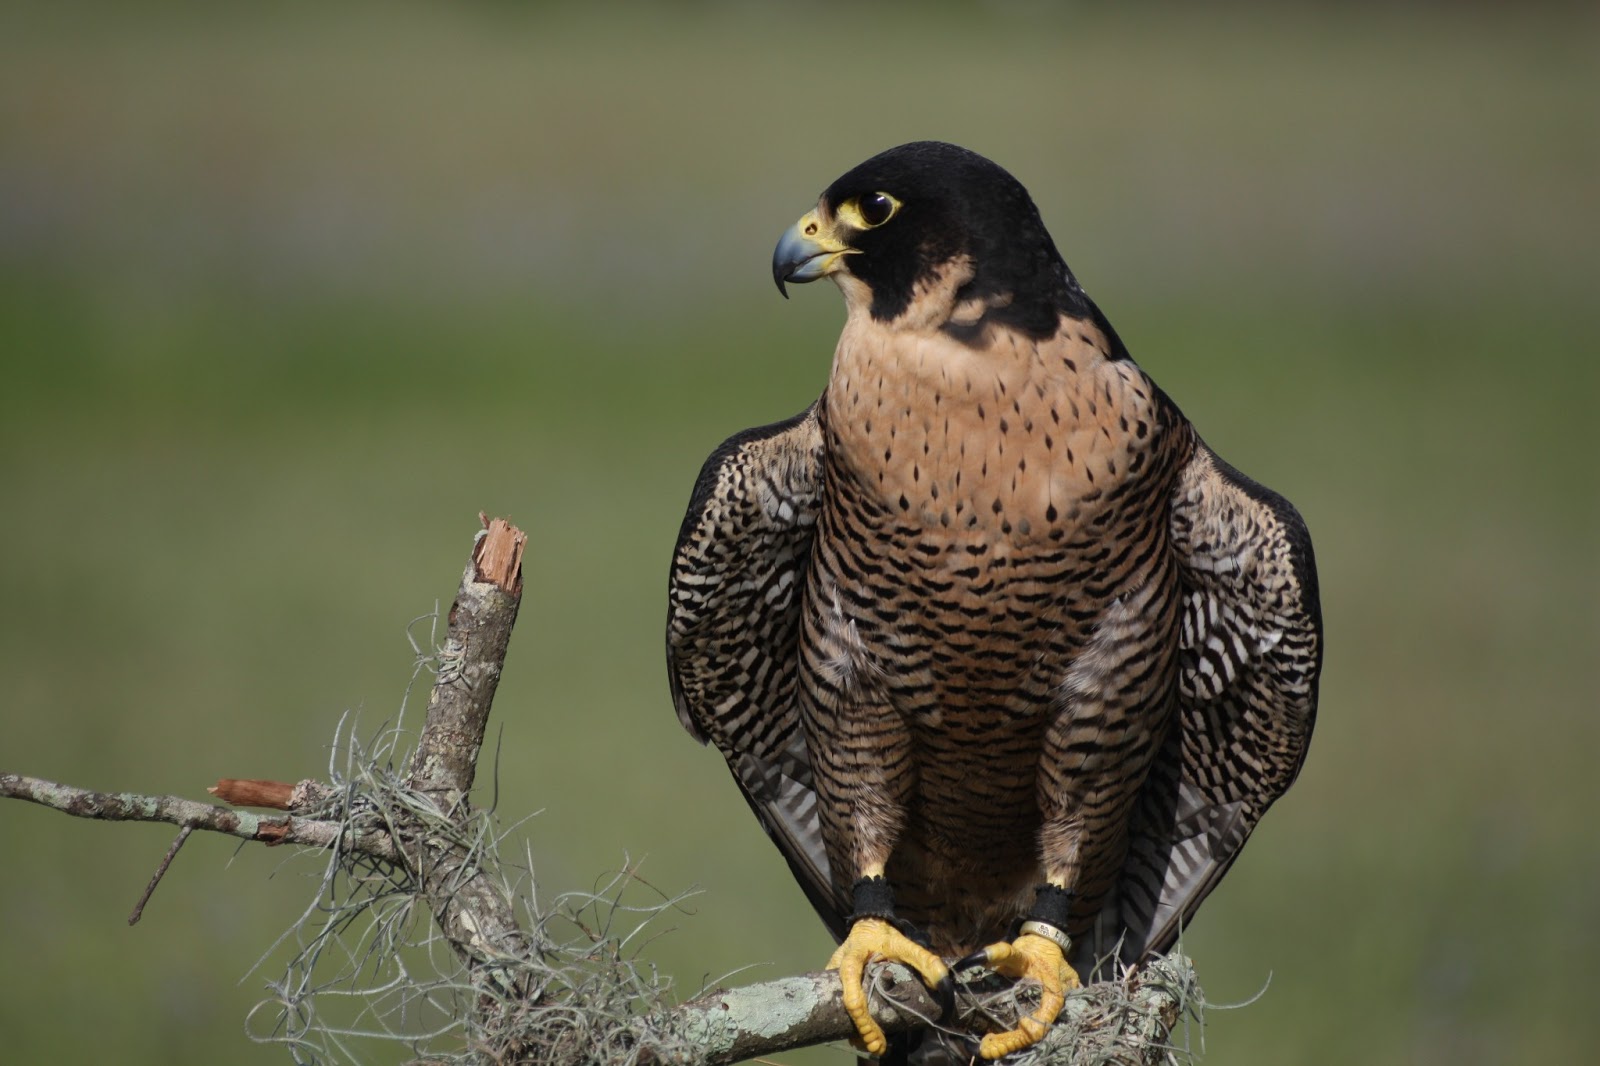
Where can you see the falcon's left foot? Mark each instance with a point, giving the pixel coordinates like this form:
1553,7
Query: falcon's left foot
1032,956
875,939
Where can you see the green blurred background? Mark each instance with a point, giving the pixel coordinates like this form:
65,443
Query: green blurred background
289,292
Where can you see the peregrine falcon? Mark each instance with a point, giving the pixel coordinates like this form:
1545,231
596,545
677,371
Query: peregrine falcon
1006,660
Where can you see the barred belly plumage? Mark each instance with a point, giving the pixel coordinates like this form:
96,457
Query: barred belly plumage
962,614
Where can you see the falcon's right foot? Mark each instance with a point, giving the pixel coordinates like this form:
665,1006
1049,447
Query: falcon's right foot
1038,958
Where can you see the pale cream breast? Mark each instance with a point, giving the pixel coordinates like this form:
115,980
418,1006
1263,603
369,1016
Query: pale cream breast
1011,440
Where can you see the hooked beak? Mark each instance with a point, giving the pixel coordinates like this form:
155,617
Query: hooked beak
808,250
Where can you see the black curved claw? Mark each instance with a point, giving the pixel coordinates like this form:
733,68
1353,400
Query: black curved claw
972,1047
973,961
944,994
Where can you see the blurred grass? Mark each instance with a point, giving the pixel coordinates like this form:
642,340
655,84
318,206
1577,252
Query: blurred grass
288,294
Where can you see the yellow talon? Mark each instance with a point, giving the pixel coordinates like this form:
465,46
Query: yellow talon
1039,959
873,939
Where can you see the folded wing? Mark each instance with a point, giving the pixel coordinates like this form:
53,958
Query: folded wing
733,627
1250,660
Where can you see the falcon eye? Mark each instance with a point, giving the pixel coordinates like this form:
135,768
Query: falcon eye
877,208
869,211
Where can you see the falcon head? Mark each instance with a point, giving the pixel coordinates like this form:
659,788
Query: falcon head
932,235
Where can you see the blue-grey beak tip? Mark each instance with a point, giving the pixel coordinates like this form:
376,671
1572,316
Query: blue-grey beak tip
790,258
781,266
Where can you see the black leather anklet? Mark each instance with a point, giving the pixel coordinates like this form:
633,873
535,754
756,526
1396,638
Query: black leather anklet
872,898
1052,905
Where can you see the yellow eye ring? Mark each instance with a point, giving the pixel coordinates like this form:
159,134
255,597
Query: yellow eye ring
869,211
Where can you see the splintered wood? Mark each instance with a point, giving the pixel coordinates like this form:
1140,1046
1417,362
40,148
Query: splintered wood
246,793
279,795
498,556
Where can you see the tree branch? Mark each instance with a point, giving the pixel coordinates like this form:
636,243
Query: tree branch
729,1025
473,912
1126,1022
175,810
474,652
440,847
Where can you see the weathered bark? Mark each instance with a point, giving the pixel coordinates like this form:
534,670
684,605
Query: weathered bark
175,810
474,652
473,912
1119,1023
